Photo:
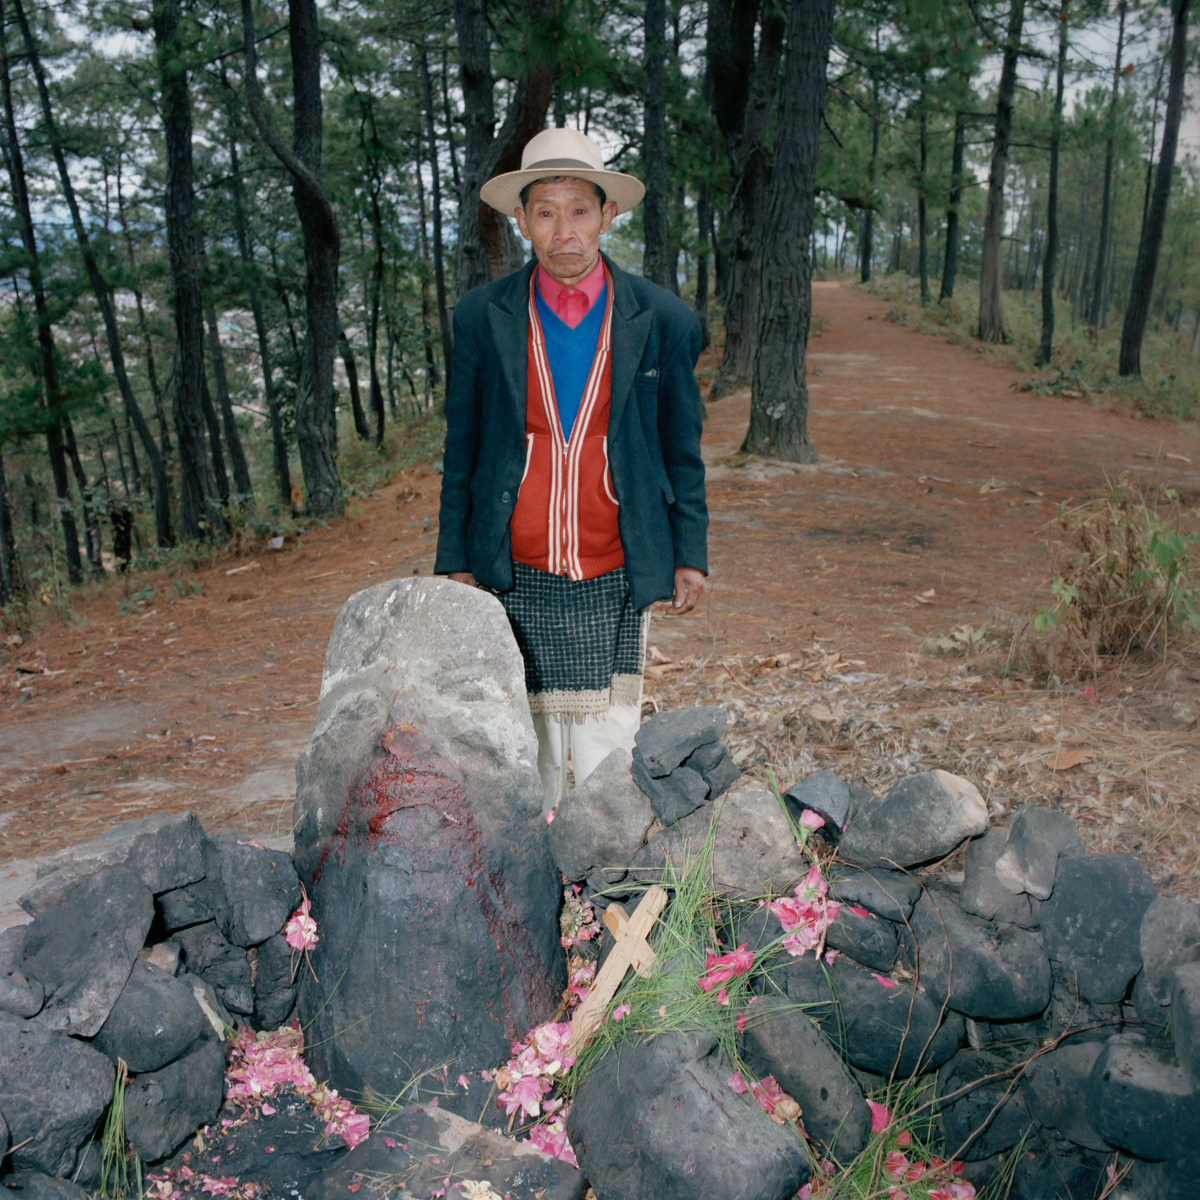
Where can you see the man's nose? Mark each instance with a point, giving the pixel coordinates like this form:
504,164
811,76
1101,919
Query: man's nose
562,229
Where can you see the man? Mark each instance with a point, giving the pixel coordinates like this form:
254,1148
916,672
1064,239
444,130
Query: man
572,481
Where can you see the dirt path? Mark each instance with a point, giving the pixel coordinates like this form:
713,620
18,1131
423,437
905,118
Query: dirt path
925,512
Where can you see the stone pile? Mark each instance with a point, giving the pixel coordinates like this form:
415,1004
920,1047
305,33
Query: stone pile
1055,996
1050,993
146,947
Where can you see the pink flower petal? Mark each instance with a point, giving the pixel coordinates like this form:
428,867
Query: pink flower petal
736,1083
811,820
881,1118
884,981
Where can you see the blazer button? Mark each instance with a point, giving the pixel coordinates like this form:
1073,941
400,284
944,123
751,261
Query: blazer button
505,498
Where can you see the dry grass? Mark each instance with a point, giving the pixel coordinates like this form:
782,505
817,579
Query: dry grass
1117,755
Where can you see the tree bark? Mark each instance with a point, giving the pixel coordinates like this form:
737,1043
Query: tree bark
1094,309
12,586
322,249
439,251
486,243
704,224
1134,327
656,260
283,478
200,504
1046,345
742,100
868,230
950,262
162,502
991,272
779,398
922,224
233,440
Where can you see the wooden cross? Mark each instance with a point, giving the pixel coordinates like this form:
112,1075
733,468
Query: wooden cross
631,950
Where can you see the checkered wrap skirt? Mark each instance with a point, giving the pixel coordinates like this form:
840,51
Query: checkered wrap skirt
583,642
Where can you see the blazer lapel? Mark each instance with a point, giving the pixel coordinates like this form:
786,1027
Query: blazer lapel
508,317
630,329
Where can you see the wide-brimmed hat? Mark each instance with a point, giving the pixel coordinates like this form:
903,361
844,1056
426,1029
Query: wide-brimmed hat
555,152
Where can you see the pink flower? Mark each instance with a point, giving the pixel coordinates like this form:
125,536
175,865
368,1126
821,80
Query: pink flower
736,1083
723,997
741,1022
464,1083
831,956
903,1138
218,1187
550,1137
881,1118
525,1095
724,968
622,1010
895,1164
301,929
550,817
884,981
810,820
895,1193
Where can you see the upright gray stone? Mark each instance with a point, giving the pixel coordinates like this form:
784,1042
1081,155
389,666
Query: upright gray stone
658,1119
275,965
162,850
602,823
82,951
53,1090
754,851
1169,937
1037,839
1092,922
982,892
421,839
922,818
983,970
219,963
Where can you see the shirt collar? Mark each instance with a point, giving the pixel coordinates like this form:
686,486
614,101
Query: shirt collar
591,285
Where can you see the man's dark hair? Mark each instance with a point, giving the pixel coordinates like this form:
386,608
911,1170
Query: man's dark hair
560,179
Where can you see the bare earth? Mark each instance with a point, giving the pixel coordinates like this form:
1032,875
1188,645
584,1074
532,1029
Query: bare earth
935,484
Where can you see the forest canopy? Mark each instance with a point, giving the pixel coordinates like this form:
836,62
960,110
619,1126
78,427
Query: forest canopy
233,234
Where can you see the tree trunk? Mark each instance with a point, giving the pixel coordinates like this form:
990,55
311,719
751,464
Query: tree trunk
656,260
742,100
283,478
439,252
91,522
1134,327
704,224
322,249
12,586
233,440
991,311
200,504
162,502
426,267
1094,309
779,398
950,261
486,242
922,228
361,427
50,391
868,231
1046,346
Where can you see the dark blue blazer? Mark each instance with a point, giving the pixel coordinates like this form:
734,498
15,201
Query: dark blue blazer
654,427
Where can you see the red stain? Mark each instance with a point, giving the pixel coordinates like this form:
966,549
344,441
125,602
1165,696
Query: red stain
412,797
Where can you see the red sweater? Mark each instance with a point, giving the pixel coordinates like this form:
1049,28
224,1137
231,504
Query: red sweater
565,518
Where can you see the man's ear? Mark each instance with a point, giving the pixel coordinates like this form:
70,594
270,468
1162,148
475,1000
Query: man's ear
606,215
519,213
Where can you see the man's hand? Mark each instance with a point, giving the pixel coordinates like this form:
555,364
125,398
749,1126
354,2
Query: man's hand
469,579
689,585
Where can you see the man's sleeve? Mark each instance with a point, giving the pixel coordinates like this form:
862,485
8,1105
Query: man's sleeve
679,428
460,453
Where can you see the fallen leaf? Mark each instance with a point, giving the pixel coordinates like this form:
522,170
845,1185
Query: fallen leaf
1064,760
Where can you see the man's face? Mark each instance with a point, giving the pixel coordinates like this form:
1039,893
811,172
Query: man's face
564,220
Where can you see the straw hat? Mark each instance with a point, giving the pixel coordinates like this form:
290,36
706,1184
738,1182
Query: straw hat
555,152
